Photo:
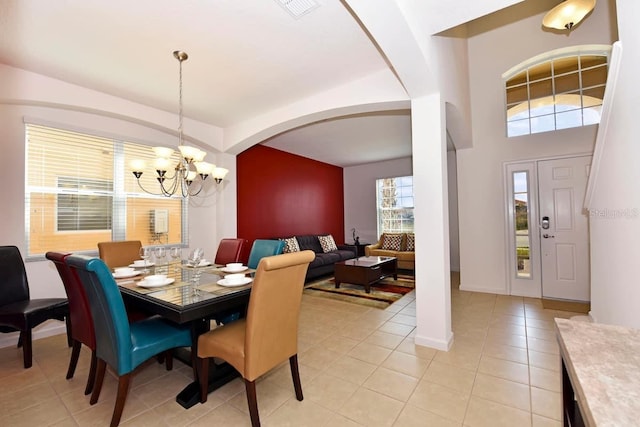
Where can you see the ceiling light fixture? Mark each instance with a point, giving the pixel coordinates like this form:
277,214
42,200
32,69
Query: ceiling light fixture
189,168
568,14
298,8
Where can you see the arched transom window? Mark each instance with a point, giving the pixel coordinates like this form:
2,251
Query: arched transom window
556,90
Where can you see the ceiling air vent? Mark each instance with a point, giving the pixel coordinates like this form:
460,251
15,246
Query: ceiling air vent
297,8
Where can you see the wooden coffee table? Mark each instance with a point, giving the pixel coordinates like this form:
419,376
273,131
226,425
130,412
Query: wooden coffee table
366,270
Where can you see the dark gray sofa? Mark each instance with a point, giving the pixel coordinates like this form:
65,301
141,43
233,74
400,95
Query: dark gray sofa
323,264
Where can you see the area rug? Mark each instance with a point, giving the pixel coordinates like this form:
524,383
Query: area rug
383,293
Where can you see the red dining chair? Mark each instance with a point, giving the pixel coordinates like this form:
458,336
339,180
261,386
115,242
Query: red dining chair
82,331
230,250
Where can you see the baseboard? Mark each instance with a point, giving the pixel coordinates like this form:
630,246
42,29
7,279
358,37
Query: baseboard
45,330
567,305
437,344
472,288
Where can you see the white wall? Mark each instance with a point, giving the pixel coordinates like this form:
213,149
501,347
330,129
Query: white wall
454,234
615,205
77,108
480,182
360,195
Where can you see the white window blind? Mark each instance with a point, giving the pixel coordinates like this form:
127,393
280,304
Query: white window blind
79,191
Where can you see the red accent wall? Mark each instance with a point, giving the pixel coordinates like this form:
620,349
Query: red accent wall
281,194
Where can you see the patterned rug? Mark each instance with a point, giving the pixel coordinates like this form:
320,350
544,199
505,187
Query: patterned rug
382,293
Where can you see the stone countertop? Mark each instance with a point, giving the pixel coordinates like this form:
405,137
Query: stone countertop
603,362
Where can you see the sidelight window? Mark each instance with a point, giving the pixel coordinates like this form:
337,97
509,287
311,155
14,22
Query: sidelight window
521,216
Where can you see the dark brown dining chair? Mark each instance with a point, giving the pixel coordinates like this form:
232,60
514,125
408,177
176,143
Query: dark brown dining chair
230,250
268,335
82,331
18,312
119,253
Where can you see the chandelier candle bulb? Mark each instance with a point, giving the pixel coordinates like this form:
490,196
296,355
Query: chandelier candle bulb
204,169
219,174
189,153
138,165
162,164
199,156
163,152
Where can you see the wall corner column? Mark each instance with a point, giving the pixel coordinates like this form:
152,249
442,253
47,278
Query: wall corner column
433,281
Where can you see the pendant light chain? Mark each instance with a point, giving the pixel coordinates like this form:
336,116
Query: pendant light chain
190,168
180,112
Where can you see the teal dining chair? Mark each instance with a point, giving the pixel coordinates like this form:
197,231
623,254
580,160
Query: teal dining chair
121,345
259,250
264,248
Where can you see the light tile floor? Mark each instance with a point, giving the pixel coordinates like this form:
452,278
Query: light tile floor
359,367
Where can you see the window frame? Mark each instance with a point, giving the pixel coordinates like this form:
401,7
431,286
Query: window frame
379,220
588,104
122,193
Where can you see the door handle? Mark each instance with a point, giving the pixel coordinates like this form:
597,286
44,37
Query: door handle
548,236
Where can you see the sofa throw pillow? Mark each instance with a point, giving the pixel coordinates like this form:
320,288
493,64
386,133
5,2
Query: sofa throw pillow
411,242
290,245
327,243
392,242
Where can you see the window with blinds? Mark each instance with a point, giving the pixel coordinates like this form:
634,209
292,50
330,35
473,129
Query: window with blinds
79,191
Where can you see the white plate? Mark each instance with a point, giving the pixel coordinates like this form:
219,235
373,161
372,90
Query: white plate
149,264
234,270
125,275
204,263
223,282
144,284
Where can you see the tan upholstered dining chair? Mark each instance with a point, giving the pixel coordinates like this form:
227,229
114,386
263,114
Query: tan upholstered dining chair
120,253
268,335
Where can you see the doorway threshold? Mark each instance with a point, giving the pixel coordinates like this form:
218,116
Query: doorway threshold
566,305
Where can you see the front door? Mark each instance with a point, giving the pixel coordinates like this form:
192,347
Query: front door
564,230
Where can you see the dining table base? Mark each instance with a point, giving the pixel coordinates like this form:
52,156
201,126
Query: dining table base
219,375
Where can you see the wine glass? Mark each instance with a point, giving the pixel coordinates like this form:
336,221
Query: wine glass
175,253
145,254
195,257
193,261
161,253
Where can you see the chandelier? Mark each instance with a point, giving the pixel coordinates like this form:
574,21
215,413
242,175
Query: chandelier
191,170
568,14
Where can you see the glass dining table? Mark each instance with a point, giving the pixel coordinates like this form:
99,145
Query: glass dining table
194,296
